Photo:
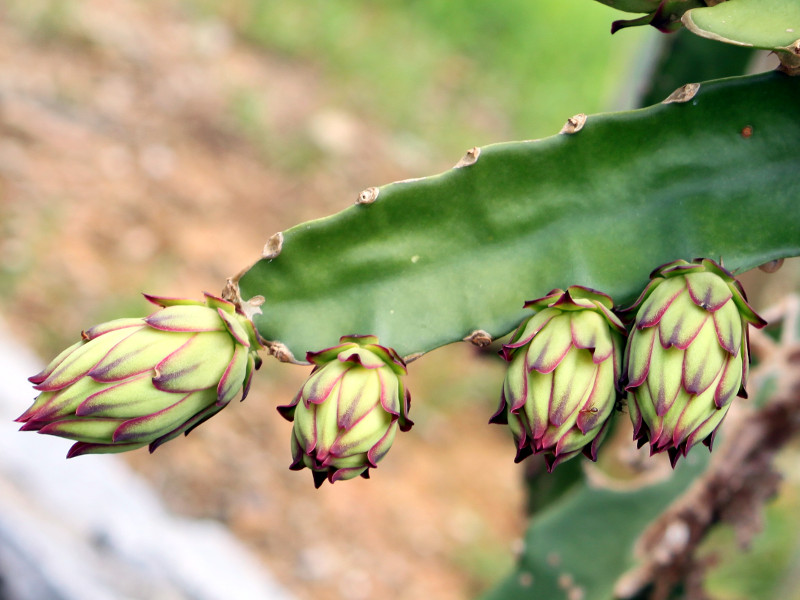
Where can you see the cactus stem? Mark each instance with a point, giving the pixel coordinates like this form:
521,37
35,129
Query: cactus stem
368,196
682,94
455,221
574,124
273,246
479,338
470,158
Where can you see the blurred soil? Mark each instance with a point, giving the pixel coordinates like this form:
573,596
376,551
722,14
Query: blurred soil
144,149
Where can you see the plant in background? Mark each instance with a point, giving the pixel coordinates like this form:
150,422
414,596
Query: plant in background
710,171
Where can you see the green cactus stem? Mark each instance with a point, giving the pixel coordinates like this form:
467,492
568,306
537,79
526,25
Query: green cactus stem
713,171
768,24
605,518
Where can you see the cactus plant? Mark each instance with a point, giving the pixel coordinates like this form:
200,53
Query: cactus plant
427,262
712,171
768,24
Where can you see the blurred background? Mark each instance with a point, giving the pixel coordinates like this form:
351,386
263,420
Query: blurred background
155,146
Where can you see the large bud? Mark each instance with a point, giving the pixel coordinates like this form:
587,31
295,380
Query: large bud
687,355
135,382
347,414
560,387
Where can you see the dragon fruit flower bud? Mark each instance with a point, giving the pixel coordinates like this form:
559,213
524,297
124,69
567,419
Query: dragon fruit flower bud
348,412
687,355
140,382
561,385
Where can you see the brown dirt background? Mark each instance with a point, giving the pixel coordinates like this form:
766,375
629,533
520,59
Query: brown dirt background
122,171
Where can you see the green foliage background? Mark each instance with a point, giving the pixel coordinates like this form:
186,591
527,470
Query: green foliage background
477,74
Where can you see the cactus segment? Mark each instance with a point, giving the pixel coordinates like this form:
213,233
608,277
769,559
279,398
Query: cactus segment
434,259
610,516
768,24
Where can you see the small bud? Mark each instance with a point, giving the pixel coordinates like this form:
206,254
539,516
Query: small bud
564,364
135,382
347,414
687,356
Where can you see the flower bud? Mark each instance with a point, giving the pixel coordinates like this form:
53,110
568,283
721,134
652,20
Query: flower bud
561,385
687,355
135,382
347,414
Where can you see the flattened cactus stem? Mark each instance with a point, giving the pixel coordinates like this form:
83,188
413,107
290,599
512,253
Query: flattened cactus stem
434,259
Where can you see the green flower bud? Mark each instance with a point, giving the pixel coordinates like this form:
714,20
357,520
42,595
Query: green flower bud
561,385
135,382
687,356
347,414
